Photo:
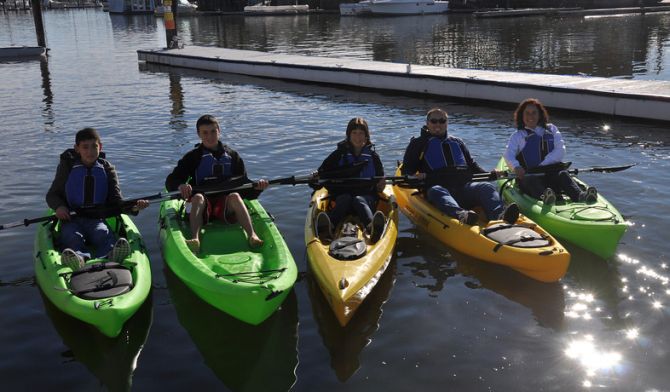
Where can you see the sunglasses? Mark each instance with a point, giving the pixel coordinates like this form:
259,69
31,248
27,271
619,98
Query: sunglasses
438,120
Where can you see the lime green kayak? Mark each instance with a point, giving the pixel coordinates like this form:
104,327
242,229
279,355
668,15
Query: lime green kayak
596,227
102,294
248,284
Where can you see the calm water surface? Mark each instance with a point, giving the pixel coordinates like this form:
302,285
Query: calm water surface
437,320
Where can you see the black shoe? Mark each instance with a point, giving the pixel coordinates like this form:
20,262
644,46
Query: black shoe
548,196
468,217
510,214
324,229
377,226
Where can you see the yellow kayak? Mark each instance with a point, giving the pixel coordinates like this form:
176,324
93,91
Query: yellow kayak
346,282
524,246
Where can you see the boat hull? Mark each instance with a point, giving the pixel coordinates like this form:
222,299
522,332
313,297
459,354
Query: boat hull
547,263
596,227
248,284
346,283
106,314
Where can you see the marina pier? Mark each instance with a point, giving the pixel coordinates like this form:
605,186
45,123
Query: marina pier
644,99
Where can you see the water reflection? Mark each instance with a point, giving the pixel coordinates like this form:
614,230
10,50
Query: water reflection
592,286
111,360
346,343
437,263
48,100
609,47
177,121
243,356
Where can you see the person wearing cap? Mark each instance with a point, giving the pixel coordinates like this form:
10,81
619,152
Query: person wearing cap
359,199
446,166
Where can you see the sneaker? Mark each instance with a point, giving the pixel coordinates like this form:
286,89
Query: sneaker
591,195
377,226
468,217
548,196
324,228
511,213
120,251
70,258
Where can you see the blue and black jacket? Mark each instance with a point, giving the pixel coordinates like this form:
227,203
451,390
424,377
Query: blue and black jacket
202,166
447,156
76,186
342,158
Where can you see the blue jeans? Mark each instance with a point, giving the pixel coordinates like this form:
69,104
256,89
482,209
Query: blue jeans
473,194
346,204
80,230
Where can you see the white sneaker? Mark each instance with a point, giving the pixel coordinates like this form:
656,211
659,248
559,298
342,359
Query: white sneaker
70,258
120,251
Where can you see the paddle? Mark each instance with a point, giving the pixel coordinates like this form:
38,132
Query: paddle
125,206
561,166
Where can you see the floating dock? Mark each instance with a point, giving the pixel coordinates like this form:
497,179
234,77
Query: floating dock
645,99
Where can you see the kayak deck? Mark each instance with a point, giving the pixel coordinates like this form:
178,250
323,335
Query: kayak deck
546,263
346,283
249,284
596,227
107,314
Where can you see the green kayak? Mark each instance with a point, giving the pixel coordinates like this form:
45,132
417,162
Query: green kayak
102,294
596,227
248,284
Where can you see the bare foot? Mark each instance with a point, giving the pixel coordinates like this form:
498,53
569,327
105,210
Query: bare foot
193,245
254,241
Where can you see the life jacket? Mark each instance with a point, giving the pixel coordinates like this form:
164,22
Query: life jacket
86,186
213,169
536,149
349,159
440,153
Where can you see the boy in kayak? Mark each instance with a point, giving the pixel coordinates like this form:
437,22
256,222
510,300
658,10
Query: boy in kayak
356,199
538,143
212,163
87,183
445,164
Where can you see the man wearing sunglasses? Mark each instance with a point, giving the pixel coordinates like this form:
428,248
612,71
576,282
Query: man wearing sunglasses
446,166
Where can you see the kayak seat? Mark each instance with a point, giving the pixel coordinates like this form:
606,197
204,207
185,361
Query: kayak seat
348,246
101,280
519,236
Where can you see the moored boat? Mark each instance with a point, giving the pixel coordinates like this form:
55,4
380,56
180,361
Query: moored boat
346,280
596,227
523,246
102,294
407,7
248,284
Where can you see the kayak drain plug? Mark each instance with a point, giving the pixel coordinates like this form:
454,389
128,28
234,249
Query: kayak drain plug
343,284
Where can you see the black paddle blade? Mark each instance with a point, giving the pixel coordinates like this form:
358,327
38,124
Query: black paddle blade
610,169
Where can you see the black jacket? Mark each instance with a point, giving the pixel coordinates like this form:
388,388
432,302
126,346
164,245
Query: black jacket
414,162
330,168
56,195
184,172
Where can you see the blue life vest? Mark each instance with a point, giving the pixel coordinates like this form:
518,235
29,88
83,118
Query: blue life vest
349,159
443,153
536,149
86,186
212,169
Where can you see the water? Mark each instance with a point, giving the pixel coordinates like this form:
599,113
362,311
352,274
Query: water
438,320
